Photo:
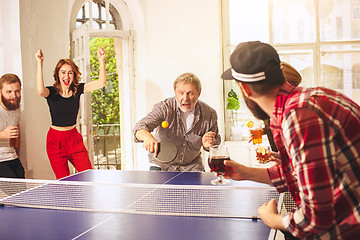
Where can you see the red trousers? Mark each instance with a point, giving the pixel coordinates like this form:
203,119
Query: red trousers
64,146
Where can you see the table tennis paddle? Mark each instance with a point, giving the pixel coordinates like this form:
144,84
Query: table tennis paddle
167,152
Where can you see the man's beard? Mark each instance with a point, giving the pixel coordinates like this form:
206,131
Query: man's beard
9,105
254,108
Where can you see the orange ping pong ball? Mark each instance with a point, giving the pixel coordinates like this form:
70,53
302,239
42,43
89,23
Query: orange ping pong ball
165,124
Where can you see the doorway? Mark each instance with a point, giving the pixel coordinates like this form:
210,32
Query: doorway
105,108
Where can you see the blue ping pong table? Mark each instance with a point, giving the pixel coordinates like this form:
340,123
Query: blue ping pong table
31,223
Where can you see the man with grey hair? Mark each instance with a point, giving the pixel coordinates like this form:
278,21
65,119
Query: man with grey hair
10,92
192,124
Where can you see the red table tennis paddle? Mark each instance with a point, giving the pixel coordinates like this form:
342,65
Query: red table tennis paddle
167,152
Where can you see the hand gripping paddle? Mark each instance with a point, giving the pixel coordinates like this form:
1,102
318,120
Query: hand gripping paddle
167,152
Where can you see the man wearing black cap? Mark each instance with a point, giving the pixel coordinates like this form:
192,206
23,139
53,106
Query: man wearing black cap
316,131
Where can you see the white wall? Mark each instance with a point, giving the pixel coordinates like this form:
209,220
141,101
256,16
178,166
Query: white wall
171,37
43,24
181,36
10,52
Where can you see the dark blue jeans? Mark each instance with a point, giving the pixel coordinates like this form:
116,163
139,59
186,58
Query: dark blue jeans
12,169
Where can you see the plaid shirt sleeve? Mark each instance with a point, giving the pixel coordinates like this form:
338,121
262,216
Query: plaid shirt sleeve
277,178
310,143
316,131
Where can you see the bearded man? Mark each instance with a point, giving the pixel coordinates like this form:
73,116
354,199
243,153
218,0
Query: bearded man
10,93
315,133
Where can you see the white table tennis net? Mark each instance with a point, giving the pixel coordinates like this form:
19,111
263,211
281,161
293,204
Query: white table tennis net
181,200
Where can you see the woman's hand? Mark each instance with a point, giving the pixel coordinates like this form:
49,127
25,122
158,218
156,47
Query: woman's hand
101,54
41,89
101,82
39,56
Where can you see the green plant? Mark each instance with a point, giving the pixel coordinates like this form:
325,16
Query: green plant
233,104
105,101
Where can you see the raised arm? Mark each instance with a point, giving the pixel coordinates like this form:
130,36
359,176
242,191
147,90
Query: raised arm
101,82
40,87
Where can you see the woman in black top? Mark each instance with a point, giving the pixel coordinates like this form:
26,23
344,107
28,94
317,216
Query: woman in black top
64,143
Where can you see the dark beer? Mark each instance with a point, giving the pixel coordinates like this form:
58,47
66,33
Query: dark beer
14,142
216,164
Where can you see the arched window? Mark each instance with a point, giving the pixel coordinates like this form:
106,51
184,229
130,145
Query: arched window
97,14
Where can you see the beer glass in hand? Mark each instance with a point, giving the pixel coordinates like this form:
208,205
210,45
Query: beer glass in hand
217,155
14,140
263,154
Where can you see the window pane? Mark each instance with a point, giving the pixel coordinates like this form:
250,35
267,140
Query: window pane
95,10
356,96
337,64
87,10
332,77
96,25
80,14
339,20
356,76
249,21
103,13
302,61
294,21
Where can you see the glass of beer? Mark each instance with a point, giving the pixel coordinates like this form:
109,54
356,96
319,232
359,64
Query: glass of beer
263,154
217,155
14,142
256,135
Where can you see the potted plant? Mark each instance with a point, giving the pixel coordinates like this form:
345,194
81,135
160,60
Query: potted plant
233,105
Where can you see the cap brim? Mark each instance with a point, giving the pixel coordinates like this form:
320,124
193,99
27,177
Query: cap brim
227,75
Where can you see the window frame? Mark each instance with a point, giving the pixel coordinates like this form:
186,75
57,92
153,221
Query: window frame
315,48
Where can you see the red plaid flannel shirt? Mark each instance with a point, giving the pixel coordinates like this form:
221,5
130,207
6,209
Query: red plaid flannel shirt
317,132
